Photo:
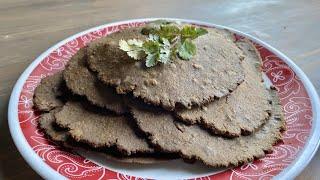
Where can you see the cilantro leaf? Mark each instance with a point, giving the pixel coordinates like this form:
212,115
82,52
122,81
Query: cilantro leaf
133,47
151,60
123,45
136,55
165,51
157,50
135,42
192,32
169,32
166,40
201,31
187,50
151,47
153,37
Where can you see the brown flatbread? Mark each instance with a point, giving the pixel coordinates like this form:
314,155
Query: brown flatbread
46,93
100,130
193,142
61,136
46,123
243,111
83,82
214,72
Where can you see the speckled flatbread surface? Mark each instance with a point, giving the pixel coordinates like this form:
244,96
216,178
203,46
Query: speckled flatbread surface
192,142
46,93
100,130
83,82
243,111
213,72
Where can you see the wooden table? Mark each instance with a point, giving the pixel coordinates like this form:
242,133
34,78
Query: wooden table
29,27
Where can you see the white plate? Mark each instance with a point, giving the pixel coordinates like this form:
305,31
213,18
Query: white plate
298,96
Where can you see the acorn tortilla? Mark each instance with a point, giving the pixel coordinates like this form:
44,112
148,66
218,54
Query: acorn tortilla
61,136
213,72
83,82
243,111
100,130
47,92
192,142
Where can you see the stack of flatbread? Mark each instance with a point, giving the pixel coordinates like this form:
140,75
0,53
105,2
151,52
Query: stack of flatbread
214,108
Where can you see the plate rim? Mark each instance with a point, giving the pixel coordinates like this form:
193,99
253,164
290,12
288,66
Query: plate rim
44,170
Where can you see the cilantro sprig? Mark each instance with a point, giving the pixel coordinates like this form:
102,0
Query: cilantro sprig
156,49
165,41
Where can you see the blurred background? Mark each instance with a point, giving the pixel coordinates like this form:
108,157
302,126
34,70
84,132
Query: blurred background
29,27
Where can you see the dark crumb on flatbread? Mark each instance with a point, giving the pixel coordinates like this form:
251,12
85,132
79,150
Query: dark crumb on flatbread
47,92
100,130
83,82
62,137
243,111
214,72
192,142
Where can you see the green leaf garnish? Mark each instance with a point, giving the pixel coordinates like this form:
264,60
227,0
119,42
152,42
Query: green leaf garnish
165,51
151,60
151,46
133,47
168,31
157,50
187,50
166,40
192,32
